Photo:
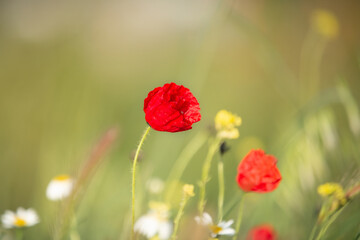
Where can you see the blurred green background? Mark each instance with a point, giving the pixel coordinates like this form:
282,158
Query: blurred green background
71,70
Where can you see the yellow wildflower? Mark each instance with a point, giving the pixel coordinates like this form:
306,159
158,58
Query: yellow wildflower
325,23
226,123
188,190
328,189
334,189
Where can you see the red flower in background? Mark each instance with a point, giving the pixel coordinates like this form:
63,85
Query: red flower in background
171,108
257,172
262,232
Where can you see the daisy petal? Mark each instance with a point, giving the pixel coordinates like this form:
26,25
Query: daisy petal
165,230
226,224
227,231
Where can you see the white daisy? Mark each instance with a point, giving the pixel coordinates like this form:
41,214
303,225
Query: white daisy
155,222
59,187
22,218
222,228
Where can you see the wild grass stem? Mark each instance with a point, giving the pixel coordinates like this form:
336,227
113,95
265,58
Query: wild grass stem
221,189
214,146
133,180
239,217
188,192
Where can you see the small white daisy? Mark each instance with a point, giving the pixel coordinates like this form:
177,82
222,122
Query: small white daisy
223,228
155,222
22,218
59,187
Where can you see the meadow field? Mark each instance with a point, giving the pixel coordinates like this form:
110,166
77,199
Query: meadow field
271,84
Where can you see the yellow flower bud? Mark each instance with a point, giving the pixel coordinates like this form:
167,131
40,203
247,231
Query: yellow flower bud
188,190
226,123
328,189
334,189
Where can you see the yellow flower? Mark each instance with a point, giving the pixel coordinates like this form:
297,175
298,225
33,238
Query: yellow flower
334,189
325,23
328,189
226,123
188,190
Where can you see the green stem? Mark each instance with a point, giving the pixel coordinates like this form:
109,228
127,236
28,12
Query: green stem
319,220
313,231
133,180
205,173
179,215
239,218
328,223
221,189
74,234
19,233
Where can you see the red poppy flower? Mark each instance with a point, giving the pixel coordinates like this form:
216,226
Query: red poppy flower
171,108
262,232
257,172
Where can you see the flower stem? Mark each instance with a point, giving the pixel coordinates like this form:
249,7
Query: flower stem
221,189
74,234
313,231
133,180
239,218
19,233
205,173
179,215
328,223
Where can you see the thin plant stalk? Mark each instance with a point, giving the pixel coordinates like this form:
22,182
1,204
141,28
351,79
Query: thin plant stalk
318,222
179,215
221,189
74,233
205,173
313,231
19,234
328,223
239,217
133,180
